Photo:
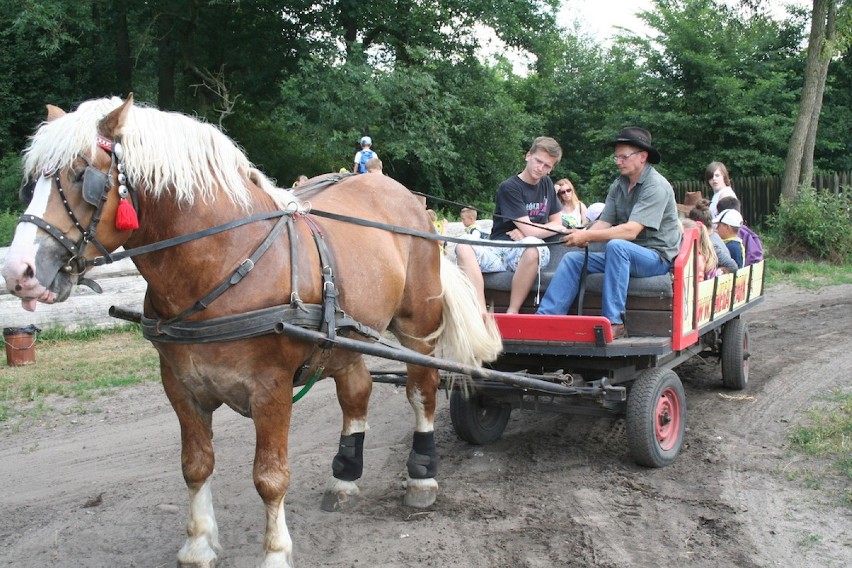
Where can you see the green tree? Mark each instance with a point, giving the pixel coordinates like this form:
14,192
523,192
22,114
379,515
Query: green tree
450,130
833,151
717,85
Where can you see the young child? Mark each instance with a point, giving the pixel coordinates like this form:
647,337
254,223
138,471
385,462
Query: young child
728,223
364,154
751,241
374,165
468,219
707,259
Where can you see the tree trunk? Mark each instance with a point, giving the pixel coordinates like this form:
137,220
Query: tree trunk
807,174
812,89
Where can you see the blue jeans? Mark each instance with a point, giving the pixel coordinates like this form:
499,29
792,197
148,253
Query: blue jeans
621,260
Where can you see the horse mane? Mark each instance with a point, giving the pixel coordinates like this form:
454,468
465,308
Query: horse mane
162,151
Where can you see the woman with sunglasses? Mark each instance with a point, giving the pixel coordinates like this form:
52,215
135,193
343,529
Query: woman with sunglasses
574,212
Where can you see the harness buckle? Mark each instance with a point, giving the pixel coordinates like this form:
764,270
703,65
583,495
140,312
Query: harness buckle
245,267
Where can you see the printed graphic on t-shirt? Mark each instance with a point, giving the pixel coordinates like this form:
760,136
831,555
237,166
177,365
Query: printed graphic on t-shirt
538,212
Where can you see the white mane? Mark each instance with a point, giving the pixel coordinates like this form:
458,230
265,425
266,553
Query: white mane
161,150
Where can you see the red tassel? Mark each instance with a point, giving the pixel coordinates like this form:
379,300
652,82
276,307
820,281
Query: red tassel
125,217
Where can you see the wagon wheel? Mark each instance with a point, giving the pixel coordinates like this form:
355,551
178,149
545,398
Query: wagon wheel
735,354
478,419
656,417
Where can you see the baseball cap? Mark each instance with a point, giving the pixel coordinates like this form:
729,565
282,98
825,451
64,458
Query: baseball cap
730,217
366,140
594,211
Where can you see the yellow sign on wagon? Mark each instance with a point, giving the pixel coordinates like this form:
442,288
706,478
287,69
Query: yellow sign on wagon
704,306
722,299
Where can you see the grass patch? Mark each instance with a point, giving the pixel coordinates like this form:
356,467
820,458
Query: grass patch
826,433
808,274
79,365
809,541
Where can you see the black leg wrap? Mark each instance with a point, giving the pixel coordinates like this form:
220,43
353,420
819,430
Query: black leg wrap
423,459
348,464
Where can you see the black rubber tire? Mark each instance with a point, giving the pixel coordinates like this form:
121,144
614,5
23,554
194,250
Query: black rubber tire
735,354
478,419
656,417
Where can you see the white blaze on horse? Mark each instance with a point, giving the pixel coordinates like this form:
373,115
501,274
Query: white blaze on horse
230,259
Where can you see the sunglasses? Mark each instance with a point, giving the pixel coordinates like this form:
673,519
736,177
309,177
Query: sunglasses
564,191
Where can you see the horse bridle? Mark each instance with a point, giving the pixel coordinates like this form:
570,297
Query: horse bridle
96,188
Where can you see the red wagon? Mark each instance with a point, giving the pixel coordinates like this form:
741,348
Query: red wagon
668,322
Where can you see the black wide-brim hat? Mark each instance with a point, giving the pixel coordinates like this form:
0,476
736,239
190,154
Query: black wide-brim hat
639,137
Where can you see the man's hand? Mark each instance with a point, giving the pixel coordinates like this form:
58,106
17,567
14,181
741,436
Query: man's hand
576,238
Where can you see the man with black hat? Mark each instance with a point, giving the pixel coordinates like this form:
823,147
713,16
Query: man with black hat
639,224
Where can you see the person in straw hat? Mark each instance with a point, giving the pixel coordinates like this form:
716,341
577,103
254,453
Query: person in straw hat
639,226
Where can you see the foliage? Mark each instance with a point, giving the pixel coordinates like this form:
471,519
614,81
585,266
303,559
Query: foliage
8,222
716,85
298,83
834,145
817,221
10,205
10,182
450,130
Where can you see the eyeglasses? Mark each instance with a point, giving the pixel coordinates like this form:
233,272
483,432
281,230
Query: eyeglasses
623,157
564,191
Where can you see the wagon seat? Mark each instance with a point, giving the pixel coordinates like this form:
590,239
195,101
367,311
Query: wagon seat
649,300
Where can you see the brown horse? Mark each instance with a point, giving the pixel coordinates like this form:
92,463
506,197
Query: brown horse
226,255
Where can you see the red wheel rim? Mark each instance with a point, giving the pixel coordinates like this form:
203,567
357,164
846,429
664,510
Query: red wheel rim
667,419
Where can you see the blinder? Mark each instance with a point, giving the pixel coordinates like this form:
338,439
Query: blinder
94,182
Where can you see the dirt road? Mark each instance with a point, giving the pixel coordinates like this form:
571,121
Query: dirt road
104,489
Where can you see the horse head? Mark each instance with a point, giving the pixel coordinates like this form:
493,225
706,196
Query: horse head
75,185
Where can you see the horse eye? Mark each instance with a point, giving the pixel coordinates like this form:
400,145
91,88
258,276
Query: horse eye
77,175
27,191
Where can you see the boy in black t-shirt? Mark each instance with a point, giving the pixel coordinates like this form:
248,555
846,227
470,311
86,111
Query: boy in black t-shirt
527,210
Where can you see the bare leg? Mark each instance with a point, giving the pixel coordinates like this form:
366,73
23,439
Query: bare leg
467,262
523,280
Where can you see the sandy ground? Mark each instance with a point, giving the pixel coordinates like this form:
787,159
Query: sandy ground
105,489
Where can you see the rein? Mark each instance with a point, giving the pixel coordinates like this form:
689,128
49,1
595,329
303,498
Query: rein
174,241
423,234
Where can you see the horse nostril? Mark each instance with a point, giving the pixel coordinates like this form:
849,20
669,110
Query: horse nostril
29,273
18,288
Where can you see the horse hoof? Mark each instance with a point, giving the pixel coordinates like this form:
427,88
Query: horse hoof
420,493
203,564
338,501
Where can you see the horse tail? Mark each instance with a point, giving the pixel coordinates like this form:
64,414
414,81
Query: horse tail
465,336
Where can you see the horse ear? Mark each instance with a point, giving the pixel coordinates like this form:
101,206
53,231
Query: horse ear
113,122
54,112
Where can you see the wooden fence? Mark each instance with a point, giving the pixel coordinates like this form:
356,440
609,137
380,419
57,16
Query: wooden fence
759,196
